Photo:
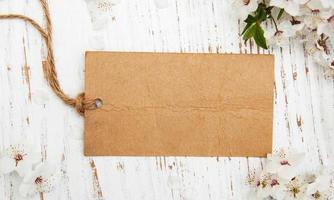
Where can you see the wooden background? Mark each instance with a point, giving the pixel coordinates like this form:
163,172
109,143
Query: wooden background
303,116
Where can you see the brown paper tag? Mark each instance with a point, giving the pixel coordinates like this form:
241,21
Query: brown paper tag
172,104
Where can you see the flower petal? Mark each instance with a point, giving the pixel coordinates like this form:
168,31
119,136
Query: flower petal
288,172
252,6
7,165
24,167
31,176
48,169
292,8
27,189
272,167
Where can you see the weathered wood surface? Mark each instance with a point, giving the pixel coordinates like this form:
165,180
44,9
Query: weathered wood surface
304,99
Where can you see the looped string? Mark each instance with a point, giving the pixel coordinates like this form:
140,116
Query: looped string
80,103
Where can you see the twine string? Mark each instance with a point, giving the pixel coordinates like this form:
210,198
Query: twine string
80,103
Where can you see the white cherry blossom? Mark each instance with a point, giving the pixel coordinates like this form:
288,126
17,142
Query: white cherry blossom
320,188
284,163
295,189
319,49
100,12
269,186
277,38
40,180
280,37
18,158
312,18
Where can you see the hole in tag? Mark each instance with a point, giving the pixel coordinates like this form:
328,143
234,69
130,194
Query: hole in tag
98,103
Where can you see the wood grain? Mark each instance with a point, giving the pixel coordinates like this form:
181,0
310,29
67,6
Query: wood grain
304,100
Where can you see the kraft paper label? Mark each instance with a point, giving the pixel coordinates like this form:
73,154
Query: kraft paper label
179,104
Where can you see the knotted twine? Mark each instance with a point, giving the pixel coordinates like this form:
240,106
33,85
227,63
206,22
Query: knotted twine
80,103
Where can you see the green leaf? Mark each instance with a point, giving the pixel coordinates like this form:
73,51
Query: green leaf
253,28
250,20
246,27
250,31
281,11
259,38
261,13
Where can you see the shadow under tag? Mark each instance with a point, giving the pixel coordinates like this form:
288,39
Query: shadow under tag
179,104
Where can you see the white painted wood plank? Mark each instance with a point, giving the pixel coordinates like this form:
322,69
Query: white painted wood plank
304,102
